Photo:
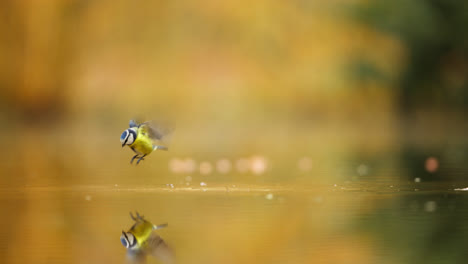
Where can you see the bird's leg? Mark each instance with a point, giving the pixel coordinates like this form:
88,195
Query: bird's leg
132,216
131,161
133,150
139,216
141,158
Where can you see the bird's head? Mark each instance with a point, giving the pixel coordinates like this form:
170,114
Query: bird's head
128,239
128,137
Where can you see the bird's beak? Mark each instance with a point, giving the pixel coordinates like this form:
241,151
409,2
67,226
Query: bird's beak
123,144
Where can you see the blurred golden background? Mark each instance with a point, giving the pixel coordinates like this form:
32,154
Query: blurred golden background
290,117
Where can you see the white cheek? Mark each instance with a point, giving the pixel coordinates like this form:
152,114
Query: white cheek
131,240
130,139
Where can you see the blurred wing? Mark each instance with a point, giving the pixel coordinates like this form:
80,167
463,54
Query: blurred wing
156,131
157,248
136,257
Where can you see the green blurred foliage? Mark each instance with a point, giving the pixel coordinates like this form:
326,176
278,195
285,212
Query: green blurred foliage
434,34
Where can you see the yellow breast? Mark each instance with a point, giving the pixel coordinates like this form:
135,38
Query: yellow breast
142,230
142,144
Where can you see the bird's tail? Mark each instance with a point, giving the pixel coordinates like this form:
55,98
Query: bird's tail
155,227
160,148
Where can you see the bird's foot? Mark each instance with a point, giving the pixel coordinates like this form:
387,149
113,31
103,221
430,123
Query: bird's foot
140,159
131,161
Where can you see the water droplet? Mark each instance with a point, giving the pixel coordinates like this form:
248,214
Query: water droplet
202,184
417,179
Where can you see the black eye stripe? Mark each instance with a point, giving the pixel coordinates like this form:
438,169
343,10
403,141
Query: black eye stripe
129,242
133,133
134,241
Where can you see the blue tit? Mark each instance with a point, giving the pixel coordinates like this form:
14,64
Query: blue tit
141,240
141,139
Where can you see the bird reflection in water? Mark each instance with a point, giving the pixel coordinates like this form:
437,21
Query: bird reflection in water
141,240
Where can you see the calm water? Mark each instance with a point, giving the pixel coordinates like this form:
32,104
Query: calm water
346,223
356,200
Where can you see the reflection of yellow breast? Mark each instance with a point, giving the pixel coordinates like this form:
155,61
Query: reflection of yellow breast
142,230
142,144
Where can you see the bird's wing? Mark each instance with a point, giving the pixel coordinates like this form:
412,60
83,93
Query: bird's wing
156,131
136,257
158,248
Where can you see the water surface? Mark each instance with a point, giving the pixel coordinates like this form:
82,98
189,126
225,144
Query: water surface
339,223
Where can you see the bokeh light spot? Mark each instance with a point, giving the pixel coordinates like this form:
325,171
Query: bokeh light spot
242,165
223,165
432,164
205,168
362,170
430,206
189,165
176,165
304,164
182,166
258,164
